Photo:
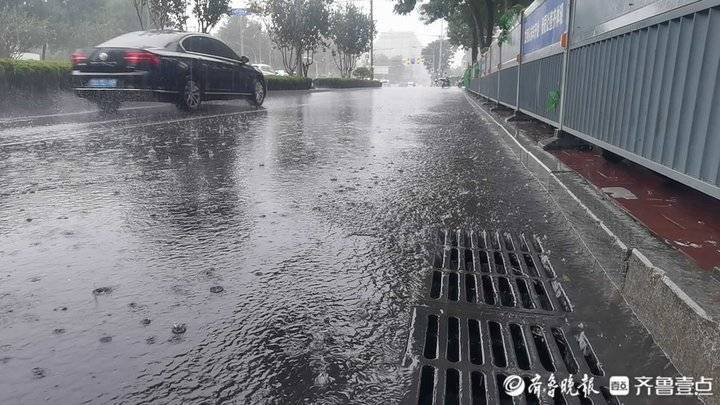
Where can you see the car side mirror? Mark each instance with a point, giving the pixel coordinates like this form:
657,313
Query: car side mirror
244,59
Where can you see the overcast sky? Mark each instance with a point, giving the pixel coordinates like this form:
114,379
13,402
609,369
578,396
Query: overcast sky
386,20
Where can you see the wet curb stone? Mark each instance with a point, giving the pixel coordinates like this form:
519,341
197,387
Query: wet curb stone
678,323
677,320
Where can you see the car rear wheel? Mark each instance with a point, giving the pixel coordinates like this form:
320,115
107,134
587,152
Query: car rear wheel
258,93
191,97
108,106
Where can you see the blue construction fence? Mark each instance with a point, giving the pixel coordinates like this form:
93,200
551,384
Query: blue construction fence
639,79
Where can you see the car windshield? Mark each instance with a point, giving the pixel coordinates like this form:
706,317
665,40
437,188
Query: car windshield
143,39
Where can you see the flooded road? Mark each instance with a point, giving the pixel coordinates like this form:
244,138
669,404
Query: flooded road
259,256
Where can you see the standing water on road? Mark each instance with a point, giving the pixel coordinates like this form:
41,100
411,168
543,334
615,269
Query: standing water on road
258,256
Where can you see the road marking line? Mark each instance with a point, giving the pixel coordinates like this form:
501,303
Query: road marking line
33,117
146,124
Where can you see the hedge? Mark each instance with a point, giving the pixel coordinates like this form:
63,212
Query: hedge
28,75
34,75
288,83
340,83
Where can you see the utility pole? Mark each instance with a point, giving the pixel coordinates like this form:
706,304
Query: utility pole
372,38
440,59
242,36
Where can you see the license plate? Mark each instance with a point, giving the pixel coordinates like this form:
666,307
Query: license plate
103,83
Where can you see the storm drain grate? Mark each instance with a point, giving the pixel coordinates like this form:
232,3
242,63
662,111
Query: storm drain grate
495,268
464,359
495,309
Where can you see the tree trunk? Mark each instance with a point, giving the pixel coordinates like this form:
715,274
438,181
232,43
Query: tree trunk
479,39
475,35
489,23
299,62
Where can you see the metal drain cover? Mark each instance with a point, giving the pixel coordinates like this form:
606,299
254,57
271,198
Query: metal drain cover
495,308
496,269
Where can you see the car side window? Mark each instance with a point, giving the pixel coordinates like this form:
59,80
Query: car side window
191,44
222,50
205,46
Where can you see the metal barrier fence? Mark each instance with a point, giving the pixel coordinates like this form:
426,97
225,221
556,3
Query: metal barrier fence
639,79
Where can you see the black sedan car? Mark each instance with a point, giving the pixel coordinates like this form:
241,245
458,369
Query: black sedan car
172,66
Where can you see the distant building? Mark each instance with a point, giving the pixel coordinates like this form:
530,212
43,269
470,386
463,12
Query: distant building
403,43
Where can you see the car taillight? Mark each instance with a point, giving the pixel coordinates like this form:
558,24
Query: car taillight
78,57
137,58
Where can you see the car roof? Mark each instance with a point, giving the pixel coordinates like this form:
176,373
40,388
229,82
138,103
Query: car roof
146,39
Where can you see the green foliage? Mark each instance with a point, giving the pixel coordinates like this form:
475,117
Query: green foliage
507,21
350,31
288,83
297,28
33,76
44,76
435,62
246,37
19,29
553,101
471,23
66,25
362,73
342,83
209,12
167,13
467,77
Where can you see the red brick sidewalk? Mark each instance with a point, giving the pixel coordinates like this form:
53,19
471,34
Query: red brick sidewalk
685,218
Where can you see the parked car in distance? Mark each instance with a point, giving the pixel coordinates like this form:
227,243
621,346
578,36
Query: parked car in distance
170,66
281,72
411,84
266,70
27,56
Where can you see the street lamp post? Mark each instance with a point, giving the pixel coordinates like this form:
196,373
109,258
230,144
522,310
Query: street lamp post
372,38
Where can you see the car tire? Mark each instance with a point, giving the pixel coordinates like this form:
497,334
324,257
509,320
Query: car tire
108,106
259,93
191,96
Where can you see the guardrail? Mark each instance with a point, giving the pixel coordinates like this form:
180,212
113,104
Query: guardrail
639,79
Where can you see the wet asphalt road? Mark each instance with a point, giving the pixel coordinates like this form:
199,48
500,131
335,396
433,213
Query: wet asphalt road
310,214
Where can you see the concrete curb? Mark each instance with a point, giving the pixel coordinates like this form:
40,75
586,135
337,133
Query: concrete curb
677,320
680,327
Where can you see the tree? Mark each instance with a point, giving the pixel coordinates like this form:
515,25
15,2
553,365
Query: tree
480,16
362,73
140,7
437,57
245,37
298,29
19,30
461,31
350,32
283,28
315,20
209,13
168,13
65,25
397,71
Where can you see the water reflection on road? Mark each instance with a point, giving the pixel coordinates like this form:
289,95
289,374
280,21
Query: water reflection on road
310,214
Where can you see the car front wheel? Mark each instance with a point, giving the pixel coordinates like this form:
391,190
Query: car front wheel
258,93
191,96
